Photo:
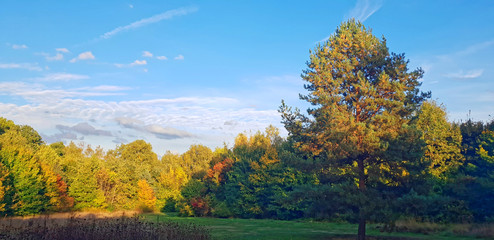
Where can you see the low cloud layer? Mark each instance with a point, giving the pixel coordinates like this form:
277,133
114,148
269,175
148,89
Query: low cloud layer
155,129
84,129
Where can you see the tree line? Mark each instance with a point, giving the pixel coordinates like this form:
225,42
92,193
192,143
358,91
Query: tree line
262,176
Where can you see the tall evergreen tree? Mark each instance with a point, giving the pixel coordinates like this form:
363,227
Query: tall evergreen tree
362,99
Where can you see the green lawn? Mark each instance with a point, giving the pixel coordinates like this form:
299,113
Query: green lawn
276,229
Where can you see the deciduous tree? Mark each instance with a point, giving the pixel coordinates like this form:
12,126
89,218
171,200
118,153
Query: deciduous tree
442,139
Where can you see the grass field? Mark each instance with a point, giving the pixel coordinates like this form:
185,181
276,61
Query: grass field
276,229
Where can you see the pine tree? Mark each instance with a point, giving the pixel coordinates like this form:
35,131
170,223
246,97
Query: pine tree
362,98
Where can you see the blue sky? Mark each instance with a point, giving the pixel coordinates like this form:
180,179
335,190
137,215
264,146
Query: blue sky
176,73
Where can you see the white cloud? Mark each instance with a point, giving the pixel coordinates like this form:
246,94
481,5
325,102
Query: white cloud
62,77
466,75
179,57
364,9
64,50
129,122
147,54
135,63
38,93
146,21
19,46
57,57
109,88
83,56
27,66
161,58
131,6
86,56
139,62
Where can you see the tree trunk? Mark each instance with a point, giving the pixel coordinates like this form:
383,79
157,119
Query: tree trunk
361,226
362,189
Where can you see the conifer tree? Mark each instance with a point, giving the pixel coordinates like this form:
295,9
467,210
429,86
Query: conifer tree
362,99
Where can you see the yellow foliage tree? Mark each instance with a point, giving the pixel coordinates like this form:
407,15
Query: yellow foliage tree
147,199
171,183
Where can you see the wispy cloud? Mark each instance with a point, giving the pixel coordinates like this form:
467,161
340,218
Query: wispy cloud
364,9
26,66
83,56
108,88
161,58
62,77
57,57
466,75
19,46
40,94
179,57
476,48
146,21
64,50
133,64
147,54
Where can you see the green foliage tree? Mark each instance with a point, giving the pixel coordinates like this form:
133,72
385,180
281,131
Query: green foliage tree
257,183
84,185
4,187
195,161
17,146
363,97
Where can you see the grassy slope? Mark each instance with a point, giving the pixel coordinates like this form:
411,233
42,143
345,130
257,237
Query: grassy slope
276,229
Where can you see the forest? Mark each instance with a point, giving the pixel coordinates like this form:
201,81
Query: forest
373,148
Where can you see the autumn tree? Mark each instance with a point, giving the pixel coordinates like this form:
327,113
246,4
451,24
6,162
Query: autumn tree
195,161
84,185
132,162
170,184
146,198
4,187
362,99
17,146
442,139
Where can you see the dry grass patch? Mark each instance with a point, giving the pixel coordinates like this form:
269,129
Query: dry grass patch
82,226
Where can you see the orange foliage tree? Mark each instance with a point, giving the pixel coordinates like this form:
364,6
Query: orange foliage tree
147,199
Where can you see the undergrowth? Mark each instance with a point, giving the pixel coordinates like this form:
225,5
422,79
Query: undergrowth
93,228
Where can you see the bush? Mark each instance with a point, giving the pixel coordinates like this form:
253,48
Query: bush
221,210
170,205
